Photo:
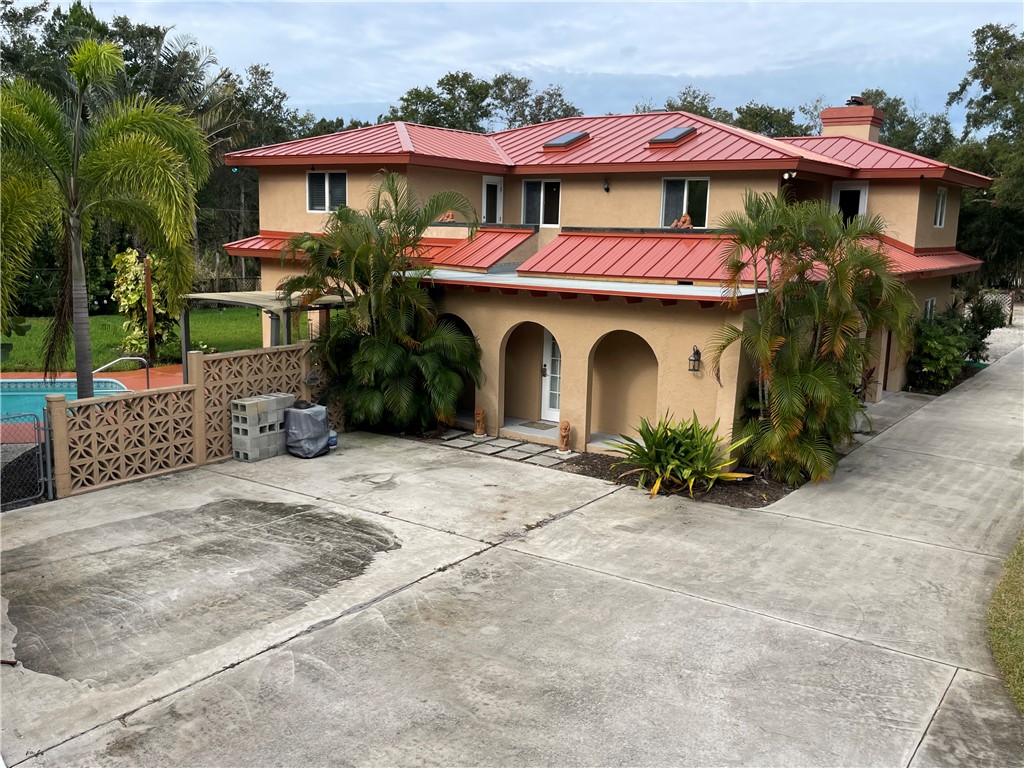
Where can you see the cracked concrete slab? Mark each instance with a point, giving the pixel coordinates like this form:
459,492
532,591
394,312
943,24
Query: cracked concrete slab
193,577
450,490
916,598
926,498
513,660
976,725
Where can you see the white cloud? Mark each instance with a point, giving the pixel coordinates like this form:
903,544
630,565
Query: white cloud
332,55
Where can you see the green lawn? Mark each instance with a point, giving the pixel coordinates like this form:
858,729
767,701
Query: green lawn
1006,625
225,329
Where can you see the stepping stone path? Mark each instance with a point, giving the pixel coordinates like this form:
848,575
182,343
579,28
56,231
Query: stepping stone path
514,450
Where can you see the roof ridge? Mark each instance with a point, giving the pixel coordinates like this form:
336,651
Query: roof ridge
404,139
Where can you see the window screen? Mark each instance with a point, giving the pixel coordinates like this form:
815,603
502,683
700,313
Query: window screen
316,191
531,202
336,190
686,196
552,191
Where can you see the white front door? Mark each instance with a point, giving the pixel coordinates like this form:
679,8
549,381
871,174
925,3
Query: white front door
494,193
551,379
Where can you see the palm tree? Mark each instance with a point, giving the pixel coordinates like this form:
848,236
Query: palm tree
829,287
387,357
134,160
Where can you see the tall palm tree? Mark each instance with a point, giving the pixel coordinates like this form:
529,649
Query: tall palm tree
387,356
134,160
828,287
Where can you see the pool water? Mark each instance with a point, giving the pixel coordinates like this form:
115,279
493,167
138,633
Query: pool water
29,395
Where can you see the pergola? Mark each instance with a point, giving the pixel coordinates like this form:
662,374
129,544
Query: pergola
275,304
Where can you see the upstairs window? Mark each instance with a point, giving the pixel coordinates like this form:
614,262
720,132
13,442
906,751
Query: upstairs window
929,309
851,198
325,191
940,207
541,200
688,196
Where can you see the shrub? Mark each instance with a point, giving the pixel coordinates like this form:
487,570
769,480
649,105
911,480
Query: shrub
981,316
940,346
673,455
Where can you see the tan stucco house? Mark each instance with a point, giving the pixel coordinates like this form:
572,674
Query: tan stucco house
586,303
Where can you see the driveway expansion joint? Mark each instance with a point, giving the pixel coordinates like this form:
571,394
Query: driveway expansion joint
931,720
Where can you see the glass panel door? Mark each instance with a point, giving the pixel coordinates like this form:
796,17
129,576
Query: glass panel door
551,383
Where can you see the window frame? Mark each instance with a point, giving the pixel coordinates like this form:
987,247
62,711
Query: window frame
860,186
941,201
522,214
327,189
928,311
686,198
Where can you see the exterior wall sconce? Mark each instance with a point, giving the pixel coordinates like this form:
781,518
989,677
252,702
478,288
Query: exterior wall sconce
789,175
694,360
606,186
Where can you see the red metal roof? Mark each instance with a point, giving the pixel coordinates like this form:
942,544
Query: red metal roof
874,159
616,255
261,245
399,142
927,262
625,139
695,257
486,249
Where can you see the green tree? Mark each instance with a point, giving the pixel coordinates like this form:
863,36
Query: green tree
910,129
515,103
697,101
460,101
769,121
387,356
136,161
992,222
828,288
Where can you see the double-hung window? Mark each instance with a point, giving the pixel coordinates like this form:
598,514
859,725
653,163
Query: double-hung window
541,202
688,196
325,191
940,207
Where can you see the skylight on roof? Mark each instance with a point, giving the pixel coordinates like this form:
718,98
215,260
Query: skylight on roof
566,140
673,135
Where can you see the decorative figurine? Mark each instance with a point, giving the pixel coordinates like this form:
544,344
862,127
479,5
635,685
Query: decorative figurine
479,416
563,436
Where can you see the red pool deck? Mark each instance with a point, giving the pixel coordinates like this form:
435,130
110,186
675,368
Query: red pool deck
160,376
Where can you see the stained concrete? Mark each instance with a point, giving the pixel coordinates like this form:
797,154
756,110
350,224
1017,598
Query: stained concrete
120,597
510,660
449,490
922,600
399,603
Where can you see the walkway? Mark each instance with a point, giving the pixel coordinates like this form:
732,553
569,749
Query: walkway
400,603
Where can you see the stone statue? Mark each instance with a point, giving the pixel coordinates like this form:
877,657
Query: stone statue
563,436
480,417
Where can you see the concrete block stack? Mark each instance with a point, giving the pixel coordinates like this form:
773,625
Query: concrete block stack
257,426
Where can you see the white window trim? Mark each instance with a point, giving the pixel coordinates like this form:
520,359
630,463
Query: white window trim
500,181
839,186
522,214
327,189
686,197
941,201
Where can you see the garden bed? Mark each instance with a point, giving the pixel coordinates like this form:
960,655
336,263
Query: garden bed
752,493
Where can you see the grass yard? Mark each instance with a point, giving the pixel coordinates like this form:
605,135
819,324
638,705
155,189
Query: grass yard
1006,625
226,330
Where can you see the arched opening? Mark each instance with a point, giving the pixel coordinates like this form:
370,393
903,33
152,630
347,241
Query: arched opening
533,376
623,385
467,400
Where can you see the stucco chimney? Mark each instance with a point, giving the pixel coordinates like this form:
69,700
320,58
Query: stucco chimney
856,118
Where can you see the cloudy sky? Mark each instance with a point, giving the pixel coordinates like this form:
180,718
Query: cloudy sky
354,59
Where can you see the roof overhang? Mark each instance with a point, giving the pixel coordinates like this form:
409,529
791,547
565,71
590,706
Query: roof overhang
269,301
705,295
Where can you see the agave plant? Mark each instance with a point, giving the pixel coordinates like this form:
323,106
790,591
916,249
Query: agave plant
674,455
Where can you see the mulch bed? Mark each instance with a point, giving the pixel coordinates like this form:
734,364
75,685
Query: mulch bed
752,493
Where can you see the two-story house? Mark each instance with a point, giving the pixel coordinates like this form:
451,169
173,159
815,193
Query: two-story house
587,303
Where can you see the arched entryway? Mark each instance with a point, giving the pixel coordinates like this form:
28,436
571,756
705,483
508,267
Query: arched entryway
467,400
532,377
623,384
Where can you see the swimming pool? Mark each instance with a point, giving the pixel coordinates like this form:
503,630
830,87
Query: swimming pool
29,395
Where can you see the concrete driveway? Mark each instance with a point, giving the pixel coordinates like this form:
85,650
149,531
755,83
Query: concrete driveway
399,603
